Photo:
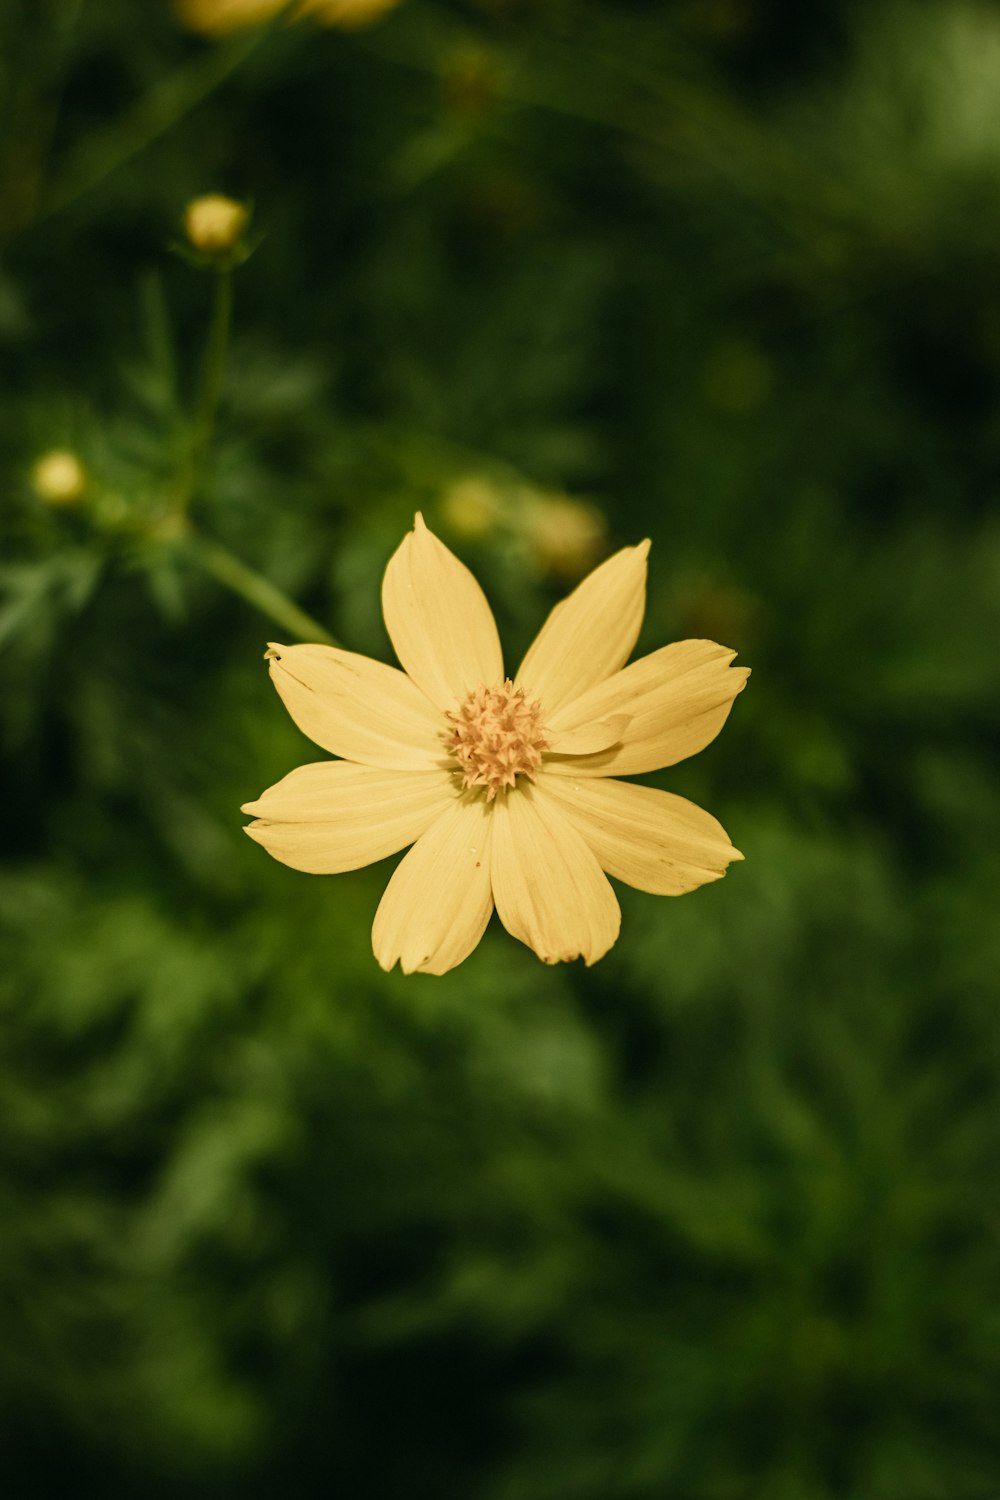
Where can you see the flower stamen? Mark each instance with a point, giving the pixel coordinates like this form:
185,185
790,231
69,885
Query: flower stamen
497,735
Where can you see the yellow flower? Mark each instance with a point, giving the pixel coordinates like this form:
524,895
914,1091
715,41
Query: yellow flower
507,789
58,477
217,16
564,535
215,224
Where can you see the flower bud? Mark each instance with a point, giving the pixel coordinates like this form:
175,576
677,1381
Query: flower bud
58,477
565,536
472,506
215,224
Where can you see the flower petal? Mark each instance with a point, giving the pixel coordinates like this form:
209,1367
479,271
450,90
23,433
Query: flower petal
650,839
439,622
589,738
438,902
677,698
358,708
333,815
548,887
590,634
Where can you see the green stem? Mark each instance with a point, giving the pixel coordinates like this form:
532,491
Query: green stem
209,390
166,103
227,569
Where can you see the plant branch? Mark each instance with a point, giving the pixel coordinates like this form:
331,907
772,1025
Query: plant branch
229,570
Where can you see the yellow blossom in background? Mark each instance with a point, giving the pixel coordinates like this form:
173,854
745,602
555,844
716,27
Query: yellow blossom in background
564,536
58,477
214,17
473,505
214,224
507,789
558,535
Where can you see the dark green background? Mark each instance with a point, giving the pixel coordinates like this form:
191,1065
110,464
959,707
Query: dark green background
717,1219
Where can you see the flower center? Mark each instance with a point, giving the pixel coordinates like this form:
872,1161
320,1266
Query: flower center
497,735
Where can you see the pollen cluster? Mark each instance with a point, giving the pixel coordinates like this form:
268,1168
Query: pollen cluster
497,736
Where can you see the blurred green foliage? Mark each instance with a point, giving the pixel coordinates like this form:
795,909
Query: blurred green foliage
716,1219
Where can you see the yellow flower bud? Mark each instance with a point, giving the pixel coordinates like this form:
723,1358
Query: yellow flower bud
565,536
472,506
215,224
59,477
